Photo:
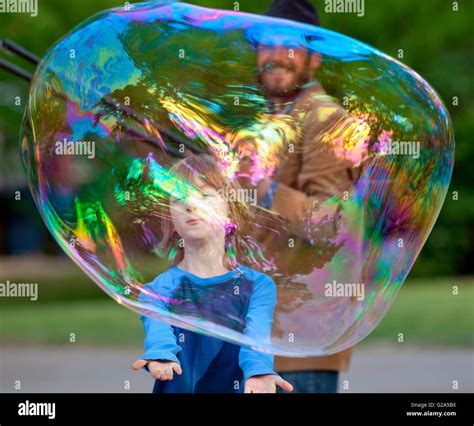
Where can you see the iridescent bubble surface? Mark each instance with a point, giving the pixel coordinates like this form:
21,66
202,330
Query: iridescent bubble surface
360,146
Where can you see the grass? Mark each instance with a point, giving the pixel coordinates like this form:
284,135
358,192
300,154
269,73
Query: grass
425,312
93,322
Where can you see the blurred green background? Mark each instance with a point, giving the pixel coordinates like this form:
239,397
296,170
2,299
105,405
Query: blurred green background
437,42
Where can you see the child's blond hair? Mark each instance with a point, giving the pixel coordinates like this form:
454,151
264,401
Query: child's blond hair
208,170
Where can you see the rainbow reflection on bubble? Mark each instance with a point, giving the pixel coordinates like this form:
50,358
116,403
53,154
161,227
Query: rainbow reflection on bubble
363,153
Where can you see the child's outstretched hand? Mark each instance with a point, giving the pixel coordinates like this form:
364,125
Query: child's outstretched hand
160,370
266,383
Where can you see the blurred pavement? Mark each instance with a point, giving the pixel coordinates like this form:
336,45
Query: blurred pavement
376,368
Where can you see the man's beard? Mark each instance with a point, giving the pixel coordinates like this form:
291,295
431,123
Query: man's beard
289,91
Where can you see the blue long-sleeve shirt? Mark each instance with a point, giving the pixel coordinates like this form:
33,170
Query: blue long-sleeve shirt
242,300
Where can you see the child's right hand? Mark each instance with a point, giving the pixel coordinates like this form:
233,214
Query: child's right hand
160,370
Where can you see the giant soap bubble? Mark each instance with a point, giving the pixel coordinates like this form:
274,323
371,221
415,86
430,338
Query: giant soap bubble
148,113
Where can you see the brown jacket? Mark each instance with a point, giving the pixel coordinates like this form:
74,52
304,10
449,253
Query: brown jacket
313,171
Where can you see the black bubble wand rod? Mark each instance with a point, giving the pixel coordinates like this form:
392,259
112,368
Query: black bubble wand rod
11,48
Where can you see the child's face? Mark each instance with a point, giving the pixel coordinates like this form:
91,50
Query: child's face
200,216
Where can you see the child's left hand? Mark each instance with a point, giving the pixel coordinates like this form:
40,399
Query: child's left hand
266,383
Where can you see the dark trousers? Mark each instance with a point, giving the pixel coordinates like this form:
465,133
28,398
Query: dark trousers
312,381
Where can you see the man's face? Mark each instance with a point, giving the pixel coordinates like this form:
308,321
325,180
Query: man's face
282,70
